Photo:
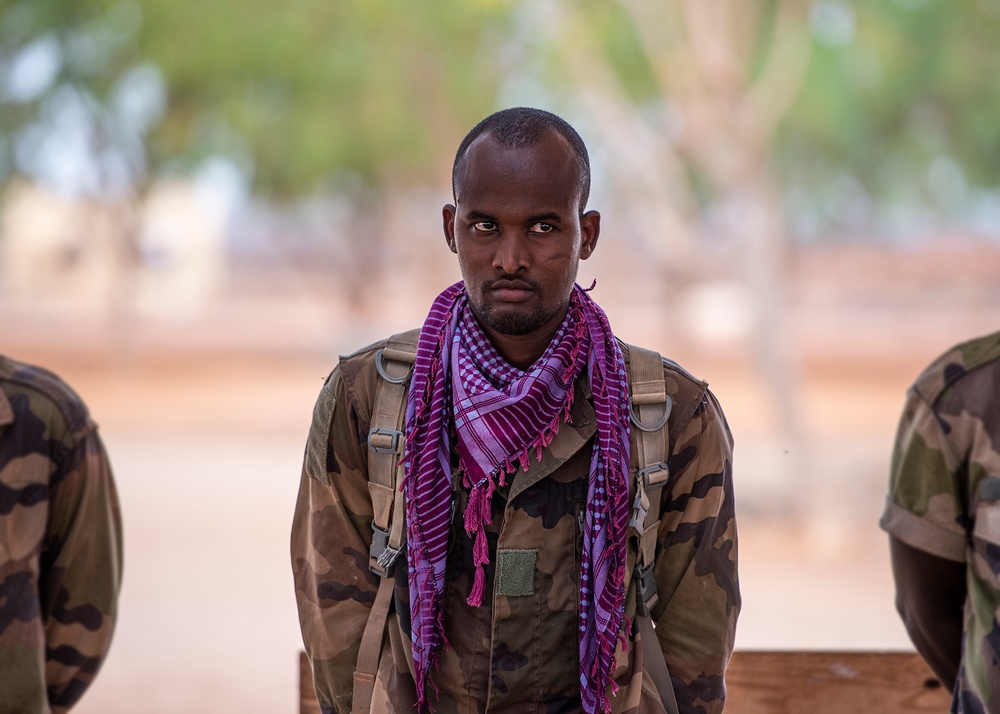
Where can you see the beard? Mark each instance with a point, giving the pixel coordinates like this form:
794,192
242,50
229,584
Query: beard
513,324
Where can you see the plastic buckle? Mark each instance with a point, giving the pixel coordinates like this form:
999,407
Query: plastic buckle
655,476
381,556
645,589
640,507
378,446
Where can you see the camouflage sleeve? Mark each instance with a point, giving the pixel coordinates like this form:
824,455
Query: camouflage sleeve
696,572
80,571
331,534
925,505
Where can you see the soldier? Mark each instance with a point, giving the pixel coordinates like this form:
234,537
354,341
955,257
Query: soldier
943,520
60,544
546,529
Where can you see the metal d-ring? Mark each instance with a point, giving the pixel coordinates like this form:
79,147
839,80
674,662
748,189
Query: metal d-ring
380,367
667,406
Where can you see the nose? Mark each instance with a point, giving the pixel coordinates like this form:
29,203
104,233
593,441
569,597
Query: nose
511,254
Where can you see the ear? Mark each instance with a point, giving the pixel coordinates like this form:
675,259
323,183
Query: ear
448,223
590,229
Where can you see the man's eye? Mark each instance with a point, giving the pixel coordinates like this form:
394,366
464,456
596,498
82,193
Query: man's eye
542,228
485,226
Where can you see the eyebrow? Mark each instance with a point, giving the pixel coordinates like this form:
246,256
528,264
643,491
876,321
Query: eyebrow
545,218
540,218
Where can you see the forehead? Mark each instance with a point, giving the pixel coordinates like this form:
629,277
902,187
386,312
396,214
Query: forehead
546,172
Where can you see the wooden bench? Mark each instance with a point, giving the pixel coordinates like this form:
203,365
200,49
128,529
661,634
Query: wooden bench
799,683
832,683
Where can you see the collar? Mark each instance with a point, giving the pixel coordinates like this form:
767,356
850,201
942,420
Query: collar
570,438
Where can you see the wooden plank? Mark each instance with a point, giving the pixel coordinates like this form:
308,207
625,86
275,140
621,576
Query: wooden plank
308,703
832,683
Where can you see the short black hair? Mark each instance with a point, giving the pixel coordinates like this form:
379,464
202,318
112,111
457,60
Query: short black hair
518,127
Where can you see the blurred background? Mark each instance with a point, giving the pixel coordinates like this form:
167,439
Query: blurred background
203,204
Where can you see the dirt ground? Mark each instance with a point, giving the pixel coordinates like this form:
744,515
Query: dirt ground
206,444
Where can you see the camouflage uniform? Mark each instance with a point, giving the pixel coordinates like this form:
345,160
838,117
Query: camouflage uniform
60,544
518,652
944,497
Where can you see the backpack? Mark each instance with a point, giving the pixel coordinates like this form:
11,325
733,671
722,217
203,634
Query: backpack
650,409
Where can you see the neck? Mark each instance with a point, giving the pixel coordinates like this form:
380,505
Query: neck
522,351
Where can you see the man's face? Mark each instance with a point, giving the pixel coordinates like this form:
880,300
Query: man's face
519,234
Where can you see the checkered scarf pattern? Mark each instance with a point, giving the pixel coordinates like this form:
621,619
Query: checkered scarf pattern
462,390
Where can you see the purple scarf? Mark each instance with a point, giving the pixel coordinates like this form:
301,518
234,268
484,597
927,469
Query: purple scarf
461,386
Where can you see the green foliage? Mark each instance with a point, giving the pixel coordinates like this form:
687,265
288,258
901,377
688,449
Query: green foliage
300,90
311,87
916,83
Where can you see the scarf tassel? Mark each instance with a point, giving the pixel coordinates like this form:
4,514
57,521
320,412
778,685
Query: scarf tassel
477,515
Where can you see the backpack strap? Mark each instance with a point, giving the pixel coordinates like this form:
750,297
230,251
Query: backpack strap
394,364
650,410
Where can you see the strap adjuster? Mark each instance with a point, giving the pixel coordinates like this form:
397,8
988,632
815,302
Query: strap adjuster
385,441
645,589
655,475
381,556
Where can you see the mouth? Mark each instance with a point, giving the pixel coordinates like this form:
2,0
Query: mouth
510,290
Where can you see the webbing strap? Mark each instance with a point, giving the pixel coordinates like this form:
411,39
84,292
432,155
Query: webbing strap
650,408
385,448
371,649
655,665
394,364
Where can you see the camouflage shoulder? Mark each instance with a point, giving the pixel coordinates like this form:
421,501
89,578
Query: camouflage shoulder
686,391
50,387
359,372
955,364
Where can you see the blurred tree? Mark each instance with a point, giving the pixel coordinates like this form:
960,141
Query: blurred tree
895,125
297,91
72,109
311,88
898,102
363,99
689,94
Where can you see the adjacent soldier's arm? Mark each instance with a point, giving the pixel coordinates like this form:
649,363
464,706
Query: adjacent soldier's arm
696,573
331,533
930,597
81,565
927,543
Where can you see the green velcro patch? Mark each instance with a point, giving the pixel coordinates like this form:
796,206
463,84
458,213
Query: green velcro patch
516,572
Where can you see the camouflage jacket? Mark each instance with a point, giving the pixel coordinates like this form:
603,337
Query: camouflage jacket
60,544
944,497
518,652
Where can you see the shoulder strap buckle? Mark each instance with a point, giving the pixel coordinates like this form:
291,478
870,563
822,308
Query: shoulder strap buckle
381,555
654,476
385,441
645,589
